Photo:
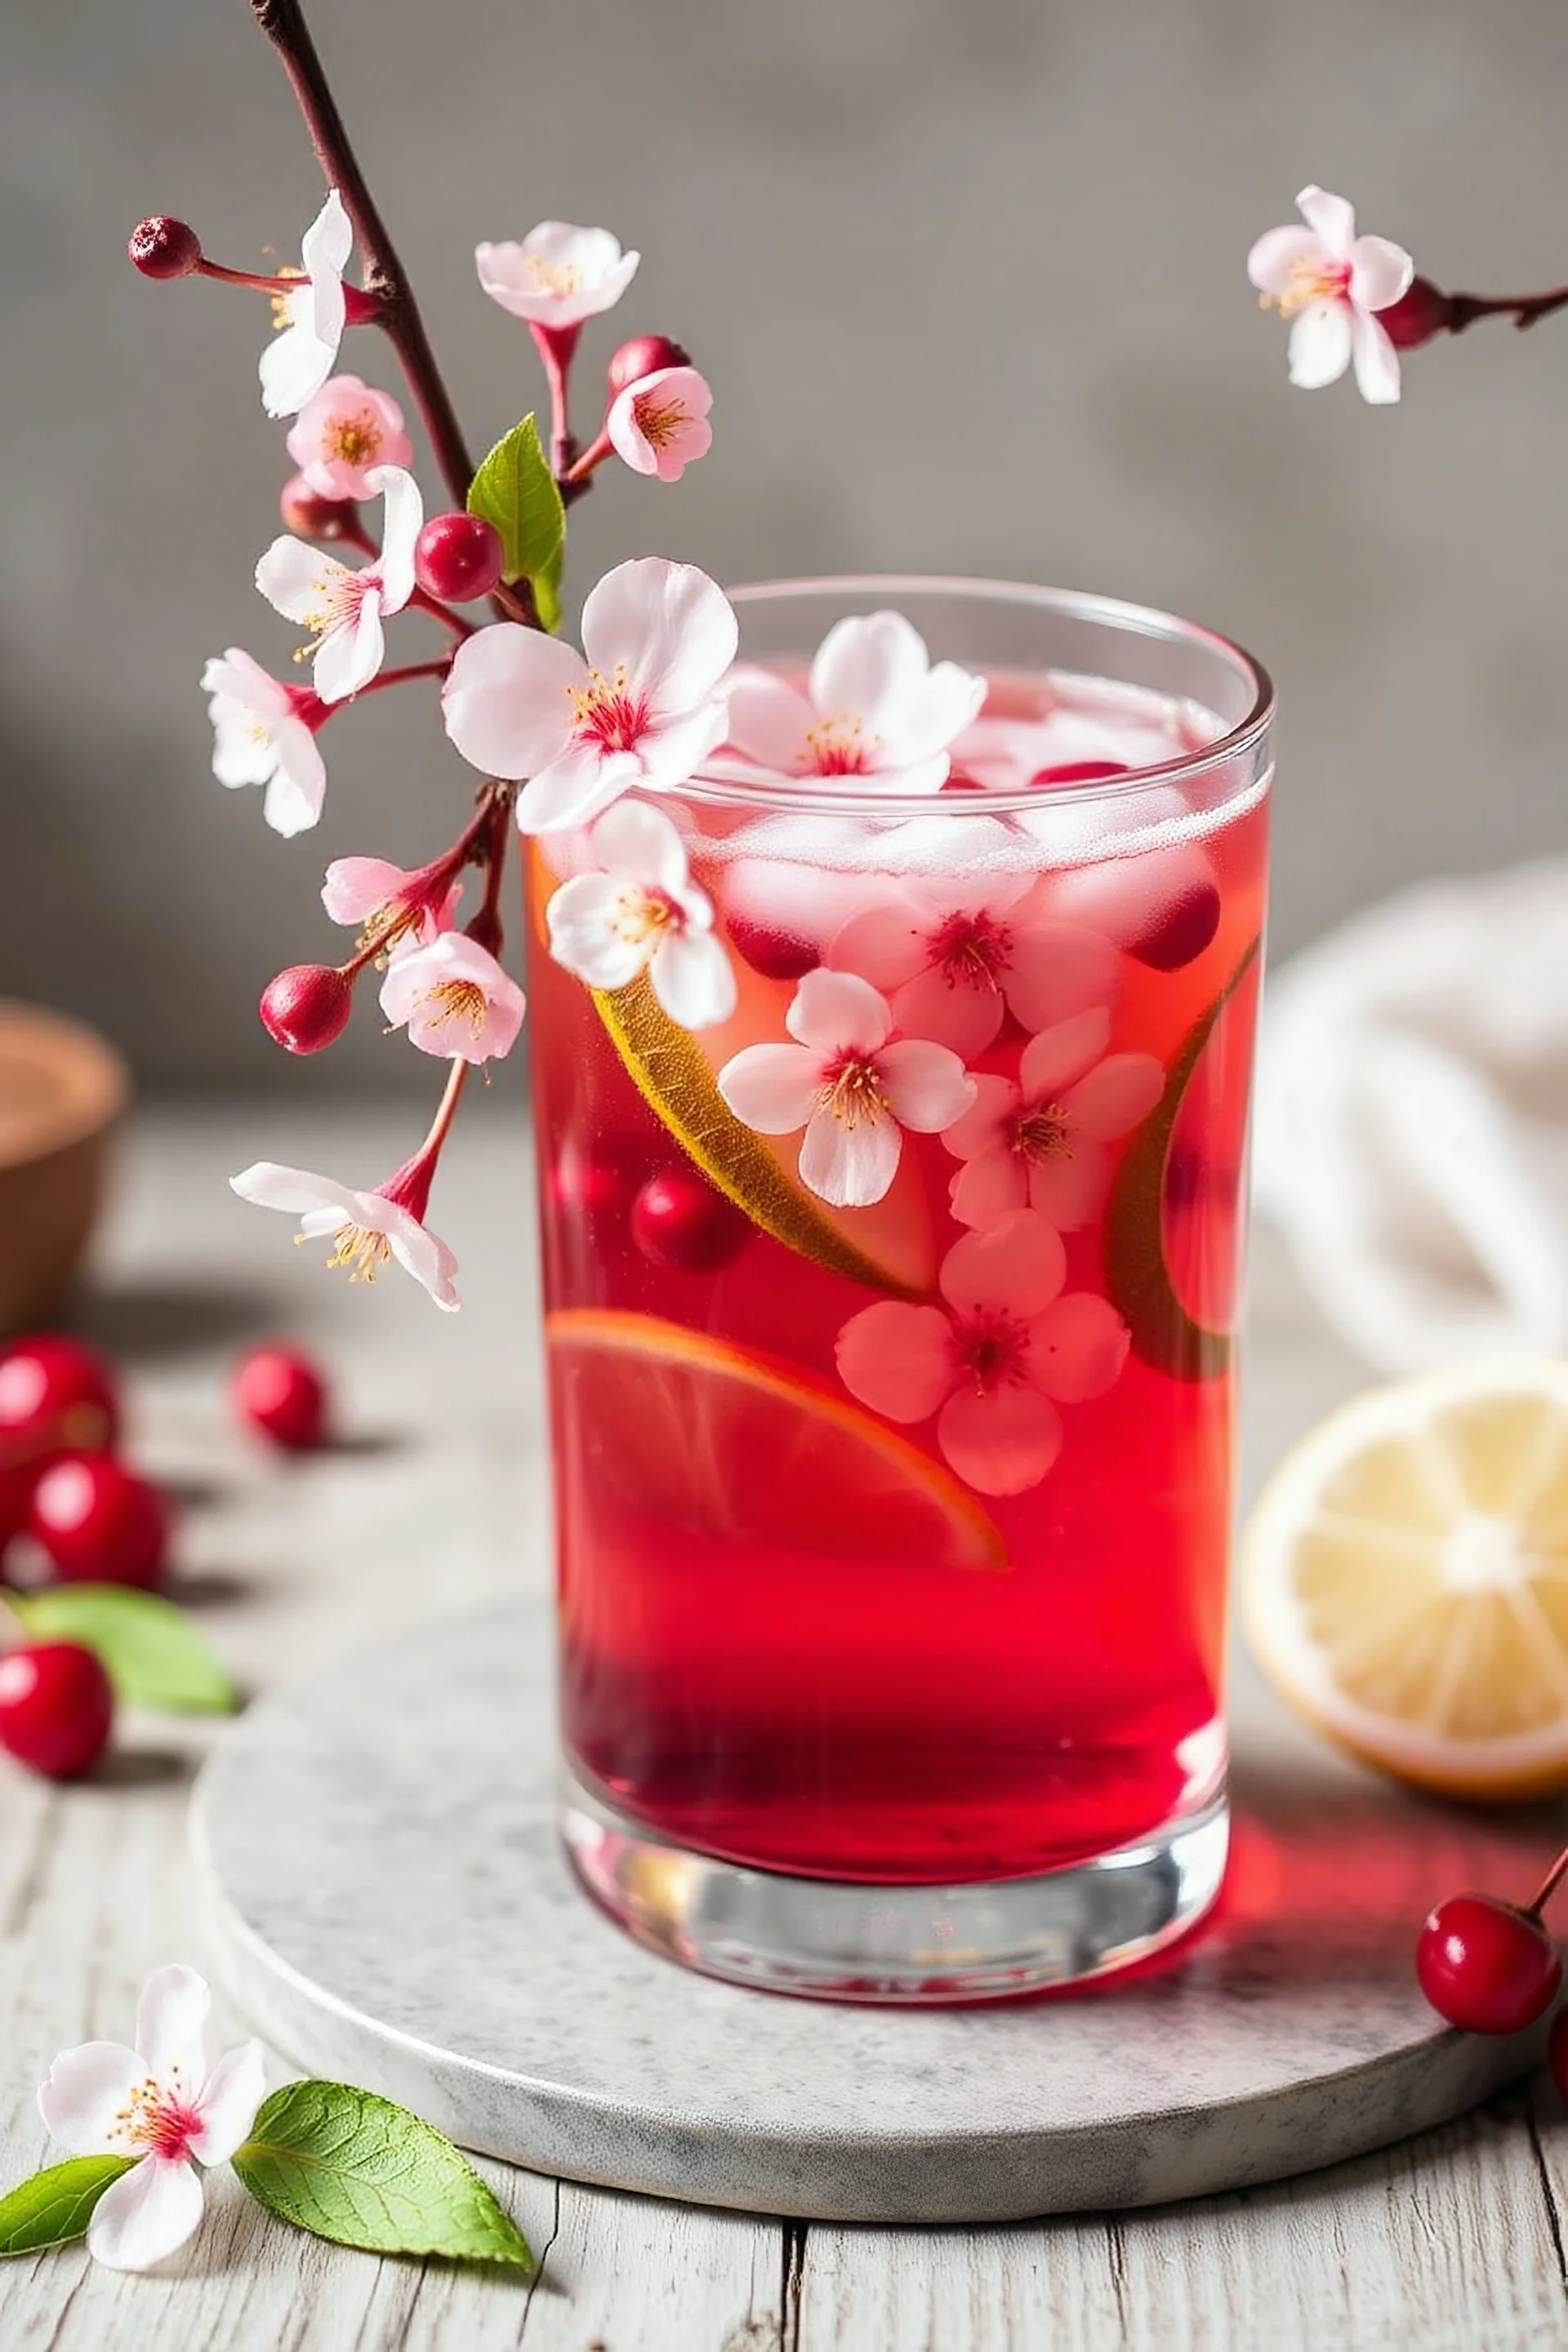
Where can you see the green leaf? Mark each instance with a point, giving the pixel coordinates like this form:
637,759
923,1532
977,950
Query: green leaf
515,489
152,1651
55,2206
362,2171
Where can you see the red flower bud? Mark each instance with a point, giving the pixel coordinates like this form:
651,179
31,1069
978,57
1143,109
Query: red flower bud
307,1006
313,517
485,929
641,357
1421,312
162,248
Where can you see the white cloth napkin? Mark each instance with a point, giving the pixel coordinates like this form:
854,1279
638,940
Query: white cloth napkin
1411,1132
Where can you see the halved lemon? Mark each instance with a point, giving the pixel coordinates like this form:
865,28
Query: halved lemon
710,1440
1404,1578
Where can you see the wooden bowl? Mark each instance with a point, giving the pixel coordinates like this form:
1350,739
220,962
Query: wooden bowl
62,1089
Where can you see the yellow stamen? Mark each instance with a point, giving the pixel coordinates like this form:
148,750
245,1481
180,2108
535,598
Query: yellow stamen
853,1093
364,1253
1310,281
460,1000
553,277
281,315
1044,1133
353,439
639,914
658,422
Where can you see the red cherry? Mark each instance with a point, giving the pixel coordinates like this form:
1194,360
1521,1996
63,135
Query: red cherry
1183,931
56,1395
595,1188
306,1007
1487,1966
457,557
56,1707
1079,772
282,1393
164,248
99,1522
643,355
776,954
680,1220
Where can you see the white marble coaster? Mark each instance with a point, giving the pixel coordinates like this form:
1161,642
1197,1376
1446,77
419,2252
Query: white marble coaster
386,1899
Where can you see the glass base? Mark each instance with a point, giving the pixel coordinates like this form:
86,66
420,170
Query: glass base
835,1939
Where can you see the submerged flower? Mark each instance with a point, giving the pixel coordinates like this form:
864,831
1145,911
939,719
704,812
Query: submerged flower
642,709
850,1083
995,1363
310,316
367,1228
642,912
559,275
454,999
660,424
875,712
343,609
342,433
1330,283
1044,1140
391,903
168,2104
265,733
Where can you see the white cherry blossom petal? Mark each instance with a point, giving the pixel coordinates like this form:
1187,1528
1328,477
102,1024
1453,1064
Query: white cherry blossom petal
348,659
403,519
850,1164
961,1017
640,844
1319,345
1017,1267
298,787
836,1012
1376,359
1280,251
1078,1347
173,2027
868,663
1380,272
230,2097
83,2097
1057,970
772,1088
693,978
146,2215
769,720
576,787
1071,1190
989,1187
299,1191
898,1359
1115,1097
672,628
1330,217
426,1256
885,945
673,749
1000,1441
558,274
584,937
981,1127
507,699
1060,1056
300,581
926,1086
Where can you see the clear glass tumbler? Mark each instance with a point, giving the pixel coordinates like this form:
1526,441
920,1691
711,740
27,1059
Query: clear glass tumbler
893,1537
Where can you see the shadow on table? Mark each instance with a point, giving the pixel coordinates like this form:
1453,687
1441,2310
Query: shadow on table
138,1320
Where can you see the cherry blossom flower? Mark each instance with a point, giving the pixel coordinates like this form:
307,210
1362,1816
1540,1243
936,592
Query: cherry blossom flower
953,958
660,424
642,912
642,709
399,906
367,1228
851,1083
1044,1140
559,275
342,433
299,359
454,999
1331,284
994,1365
169,2104
344,609
876,711
265,733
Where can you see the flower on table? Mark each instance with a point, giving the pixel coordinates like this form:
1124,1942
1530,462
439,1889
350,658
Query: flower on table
342,433
169,2104
396,905
264,732
454,999
643,708
851,1083
1331,284
558,276
642,911
660,424
367,1228
1044,1139
310,316
993,1363
343,609
875,710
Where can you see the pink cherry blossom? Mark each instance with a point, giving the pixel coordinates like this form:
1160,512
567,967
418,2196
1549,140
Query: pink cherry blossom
310,316
170,2104
994,1365
851,1083
1044,1140
344,609
1331,284
558,276
342,433
642,911
367,1228
454,999
660,424
952,958
264,732
642,709
394,904
876,711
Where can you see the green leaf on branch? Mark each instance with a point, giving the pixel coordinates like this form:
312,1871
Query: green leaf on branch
55,2206
515,490
362,2171
151,1651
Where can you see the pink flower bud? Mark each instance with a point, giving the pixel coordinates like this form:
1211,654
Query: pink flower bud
310,516
307,1006
1421,312
163,248
643,355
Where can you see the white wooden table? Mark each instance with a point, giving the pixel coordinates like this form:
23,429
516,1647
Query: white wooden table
1453,2244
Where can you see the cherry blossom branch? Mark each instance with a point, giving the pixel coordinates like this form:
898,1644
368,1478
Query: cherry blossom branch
436,668
1524,310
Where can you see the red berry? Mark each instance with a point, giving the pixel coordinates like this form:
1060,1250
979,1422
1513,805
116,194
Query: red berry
1079,772
163,248
457,557
305,510
643,355
1183,931
776,954
595,1188
306,1007
283,1394
1487,1966
99,1522
680,1220
1421,312
56,1395
56,1707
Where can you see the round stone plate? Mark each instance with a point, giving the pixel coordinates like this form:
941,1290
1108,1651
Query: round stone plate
386,1899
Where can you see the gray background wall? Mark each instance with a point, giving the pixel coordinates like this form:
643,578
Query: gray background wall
968,277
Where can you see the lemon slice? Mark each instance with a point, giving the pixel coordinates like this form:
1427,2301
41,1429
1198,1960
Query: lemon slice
707,1440
1404,1578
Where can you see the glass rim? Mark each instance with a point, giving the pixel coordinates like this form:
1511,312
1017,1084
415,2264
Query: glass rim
1108,612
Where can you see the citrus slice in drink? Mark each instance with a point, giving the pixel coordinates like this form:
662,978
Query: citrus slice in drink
1404,1578
717,1442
